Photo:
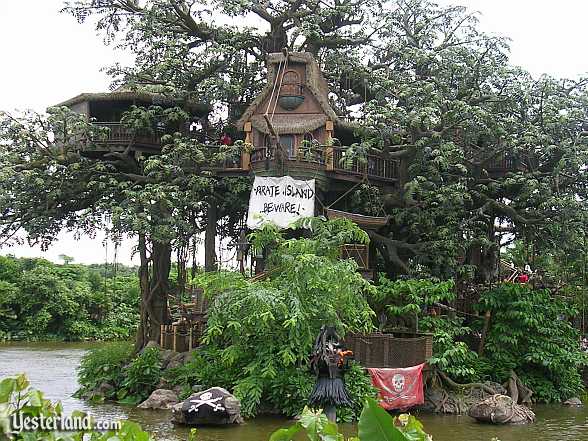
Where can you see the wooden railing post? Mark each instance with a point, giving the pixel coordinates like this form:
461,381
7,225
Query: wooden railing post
329,165
246,155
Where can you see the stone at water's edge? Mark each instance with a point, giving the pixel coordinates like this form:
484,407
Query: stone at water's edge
214,406
160,399
574,402
500,409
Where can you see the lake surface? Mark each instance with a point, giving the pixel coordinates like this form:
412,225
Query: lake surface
51,367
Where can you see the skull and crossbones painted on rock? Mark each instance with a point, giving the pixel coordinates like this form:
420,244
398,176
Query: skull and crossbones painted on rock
398,382
206,399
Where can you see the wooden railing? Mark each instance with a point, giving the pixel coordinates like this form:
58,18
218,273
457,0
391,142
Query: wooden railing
372,165
333,159
503,162
119,134
315,155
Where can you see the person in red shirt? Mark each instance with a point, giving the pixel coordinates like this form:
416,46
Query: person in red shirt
523,278
226,139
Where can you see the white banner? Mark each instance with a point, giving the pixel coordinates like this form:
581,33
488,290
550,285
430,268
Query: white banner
280,200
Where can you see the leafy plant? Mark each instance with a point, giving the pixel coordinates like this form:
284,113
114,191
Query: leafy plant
262,332
103,365
409,296
375,424
17,399
141,377
531,334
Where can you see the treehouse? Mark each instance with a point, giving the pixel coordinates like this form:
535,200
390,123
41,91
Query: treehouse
293,130
106,110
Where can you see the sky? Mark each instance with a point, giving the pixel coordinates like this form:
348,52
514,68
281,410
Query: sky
47,57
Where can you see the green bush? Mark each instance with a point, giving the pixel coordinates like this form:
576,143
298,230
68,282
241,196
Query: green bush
103,365
260,334
531,334
141,377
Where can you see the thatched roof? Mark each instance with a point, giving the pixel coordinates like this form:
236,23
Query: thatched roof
286,124
138,96
315,84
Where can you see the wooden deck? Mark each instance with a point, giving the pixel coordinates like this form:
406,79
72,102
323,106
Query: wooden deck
329,162
333,162
119,137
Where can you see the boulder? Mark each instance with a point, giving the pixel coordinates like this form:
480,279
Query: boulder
104,389
166,356
177,414
178,360
575,402
160,399
501,409
197,388
150,344
101,392
214,406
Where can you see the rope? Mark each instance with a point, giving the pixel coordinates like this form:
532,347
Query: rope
281,83
345,194
273,90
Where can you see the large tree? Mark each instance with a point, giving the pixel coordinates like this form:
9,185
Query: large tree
427,86
49,183
489,153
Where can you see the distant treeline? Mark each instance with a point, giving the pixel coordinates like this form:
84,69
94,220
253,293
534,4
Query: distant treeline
41,300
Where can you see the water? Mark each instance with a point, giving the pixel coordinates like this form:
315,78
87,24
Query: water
51,368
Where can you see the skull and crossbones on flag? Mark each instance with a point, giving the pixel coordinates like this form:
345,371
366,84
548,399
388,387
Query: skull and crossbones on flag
399,388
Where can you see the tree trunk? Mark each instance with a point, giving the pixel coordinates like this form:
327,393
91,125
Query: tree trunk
143,331
486,259
161,256
210,239
154,291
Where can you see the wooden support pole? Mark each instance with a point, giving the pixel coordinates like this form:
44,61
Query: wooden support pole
330,166
246,155
175,337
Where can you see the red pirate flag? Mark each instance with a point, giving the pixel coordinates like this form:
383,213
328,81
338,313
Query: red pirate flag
399,388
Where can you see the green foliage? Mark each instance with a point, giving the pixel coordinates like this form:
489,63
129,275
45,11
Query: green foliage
17,398
132,378
449,353
103,365
413,298
261,333
531,334
359,385
326,238
375,424
42,300
141,377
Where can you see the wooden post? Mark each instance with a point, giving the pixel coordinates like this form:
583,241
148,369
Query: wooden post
246,156
190,338
329,143
210,238
161,331
175,337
